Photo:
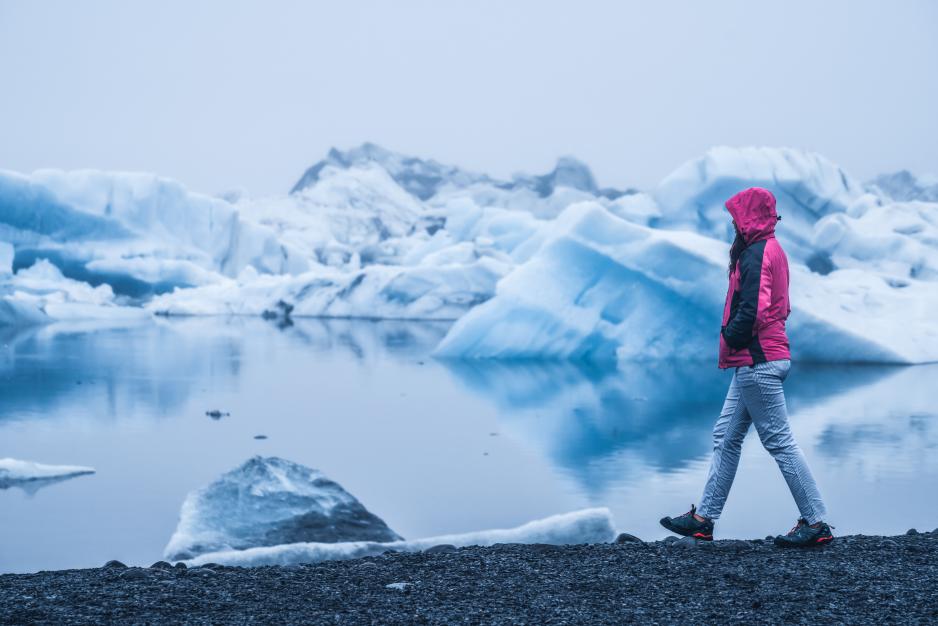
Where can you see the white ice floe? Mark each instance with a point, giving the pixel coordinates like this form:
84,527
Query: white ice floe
26,474
268,501
586,526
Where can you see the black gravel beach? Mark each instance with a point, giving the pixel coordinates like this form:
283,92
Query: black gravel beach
857,580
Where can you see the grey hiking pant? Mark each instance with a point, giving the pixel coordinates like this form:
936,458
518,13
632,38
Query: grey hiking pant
756,397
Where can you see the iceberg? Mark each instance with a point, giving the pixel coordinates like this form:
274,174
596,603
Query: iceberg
807,187
270,501
138,233
31,476
523,263
586,526
903,186
602,288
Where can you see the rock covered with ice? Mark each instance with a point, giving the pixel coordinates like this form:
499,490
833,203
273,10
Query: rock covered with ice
270,501
586,526
31,476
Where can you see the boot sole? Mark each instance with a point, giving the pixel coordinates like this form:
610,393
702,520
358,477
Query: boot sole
820,541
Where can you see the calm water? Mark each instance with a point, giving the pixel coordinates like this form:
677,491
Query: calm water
432,447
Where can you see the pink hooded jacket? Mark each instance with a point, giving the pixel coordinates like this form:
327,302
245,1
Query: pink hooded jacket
757,303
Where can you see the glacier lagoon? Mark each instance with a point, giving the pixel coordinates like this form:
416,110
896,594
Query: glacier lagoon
432,446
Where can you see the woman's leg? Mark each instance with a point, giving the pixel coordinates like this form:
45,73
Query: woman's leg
761,390
728,435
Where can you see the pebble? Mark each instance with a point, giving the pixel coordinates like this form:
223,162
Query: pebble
114,564
161,565
627,538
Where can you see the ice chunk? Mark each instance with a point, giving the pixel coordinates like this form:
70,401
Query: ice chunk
269,501
904,186
118,228
586,526
420,177
32,476
379,291
6,259
40,294
601,288
595,280
807,187
899,240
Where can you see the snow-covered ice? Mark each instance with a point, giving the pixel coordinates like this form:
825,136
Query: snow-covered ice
576,270
270,501
586,526
31,476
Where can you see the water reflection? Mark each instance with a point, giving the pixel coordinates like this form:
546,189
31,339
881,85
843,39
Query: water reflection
155,366
587,419
411,434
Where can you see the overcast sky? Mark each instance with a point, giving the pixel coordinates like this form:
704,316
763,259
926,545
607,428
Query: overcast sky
223,94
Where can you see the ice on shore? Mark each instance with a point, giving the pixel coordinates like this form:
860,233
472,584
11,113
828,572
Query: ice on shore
31,476
586,526
270,501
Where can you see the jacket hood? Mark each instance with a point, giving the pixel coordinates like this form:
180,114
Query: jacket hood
754,212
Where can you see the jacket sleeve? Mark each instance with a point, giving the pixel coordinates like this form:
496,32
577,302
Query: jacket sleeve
738,330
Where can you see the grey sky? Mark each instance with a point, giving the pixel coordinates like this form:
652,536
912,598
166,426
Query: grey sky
223,94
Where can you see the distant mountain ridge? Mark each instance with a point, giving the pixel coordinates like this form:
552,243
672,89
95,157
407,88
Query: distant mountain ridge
424,178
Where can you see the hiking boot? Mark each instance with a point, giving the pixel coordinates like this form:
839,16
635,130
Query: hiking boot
804,535
689,526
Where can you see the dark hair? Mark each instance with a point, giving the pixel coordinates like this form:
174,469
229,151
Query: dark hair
739,244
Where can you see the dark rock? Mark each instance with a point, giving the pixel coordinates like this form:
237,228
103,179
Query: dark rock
133,573
627,538
911,531
114,564
161,565
215,414
260,436
213,565
442,548
181,565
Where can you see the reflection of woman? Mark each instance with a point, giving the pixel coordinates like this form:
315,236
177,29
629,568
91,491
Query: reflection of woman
753,341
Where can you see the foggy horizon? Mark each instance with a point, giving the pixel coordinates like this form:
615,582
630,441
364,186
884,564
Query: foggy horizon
247,96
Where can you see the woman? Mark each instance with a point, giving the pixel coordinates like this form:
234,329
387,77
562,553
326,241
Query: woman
753,341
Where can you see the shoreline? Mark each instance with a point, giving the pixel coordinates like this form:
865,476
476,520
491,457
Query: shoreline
857,579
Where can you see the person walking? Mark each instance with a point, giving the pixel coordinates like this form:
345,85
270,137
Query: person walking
754,343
